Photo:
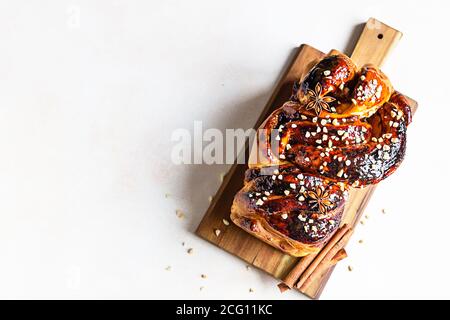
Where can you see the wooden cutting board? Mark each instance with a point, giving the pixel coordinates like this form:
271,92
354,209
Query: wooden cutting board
373,46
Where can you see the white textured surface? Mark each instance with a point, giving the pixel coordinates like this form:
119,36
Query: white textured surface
86,113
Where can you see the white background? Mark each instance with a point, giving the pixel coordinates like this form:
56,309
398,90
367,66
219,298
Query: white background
90,92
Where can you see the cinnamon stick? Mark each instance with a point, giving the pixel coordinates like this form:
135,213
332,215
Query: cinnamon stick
293,275
324,265
335,253
336,238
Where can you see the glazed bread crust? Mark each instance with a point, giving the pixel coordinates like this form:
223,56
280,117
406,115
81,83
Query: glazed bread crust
343,127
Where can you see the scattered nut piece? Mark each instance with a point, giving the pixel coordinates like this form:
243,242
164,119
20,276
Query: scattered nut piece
383,211
221,176
350,268
362,222
210,198
180,214
217,232
247,267
183,243
203,276
226,222
250,290
360,241
166,195
201,288
190,251
366,216
168,268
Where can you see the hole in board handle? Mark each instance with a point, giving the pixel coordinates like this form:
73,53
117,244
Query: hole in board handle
380,36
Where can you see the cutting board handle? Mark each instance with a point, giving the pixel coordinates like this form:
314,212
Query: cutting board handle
375,43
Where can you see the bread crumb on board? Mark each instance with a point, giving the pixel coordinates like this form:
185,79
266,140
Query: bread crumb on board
190,251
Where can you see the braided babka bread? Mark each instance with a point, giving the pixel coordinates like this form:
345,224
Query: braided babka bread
343,127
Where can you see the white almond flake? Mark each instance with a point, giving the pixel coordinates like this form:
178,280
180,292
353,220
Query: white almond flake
226,222
288,147
300,176
323,122
314,119
280,177
217,232
318,141
307,134
303,117
282,156
348,162
284,216
277,138
293,186
325,137
340,173
301,198
293,126
259,202
286,192
326,72
274,177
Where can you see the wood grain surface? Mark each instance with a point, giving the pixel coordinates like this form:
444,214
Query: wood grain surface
374,45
